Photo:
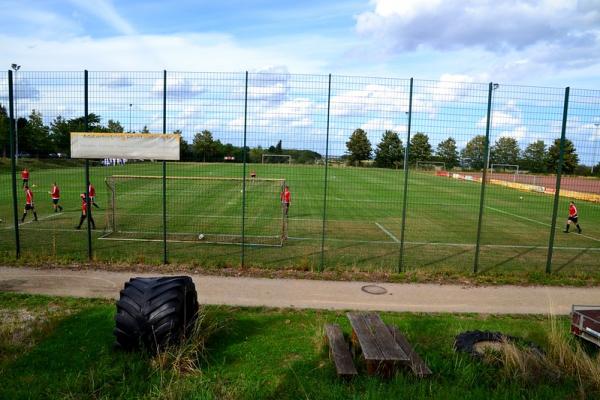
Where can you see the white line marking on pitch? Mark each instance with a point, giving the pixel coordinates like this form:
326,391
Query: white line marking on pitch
394,238
33,220
534,221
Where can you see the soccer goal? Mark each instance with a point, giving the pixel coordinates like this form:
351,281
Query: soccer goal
199,209
431,165
504,171
276,159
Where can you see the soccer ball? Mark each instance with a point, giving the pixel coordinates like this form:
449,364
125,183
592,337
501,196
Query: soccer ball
200,236
520,197
34,185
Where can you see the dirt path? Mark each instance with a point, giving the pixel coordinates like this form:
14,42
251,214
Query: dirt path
297,293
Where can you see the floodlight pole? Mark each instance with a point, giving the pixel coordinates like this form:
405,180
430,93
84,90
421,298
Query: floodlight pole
495,86
406,166
15,68
130,131
596,138
486,161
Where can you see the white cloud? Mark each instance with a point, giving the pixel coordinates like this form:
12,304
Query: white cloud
106,11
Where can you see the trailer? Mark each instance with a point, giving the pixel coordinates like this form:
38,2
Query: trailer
585,323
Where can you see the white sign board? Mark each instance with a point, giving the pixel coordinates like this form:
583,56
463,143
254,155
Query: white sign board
136,146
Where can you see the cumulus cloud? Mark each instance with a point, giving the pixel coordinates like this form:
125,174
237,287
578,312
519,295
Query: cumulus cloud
493,24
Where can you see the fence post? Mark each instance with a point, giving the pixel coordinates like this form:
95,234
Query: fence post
405,194
13,162
244,174
87,169
164,170
483,177
322,264
558,178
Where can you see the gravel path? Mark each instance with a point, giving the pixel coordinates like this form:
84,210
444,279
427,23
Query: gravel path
298,293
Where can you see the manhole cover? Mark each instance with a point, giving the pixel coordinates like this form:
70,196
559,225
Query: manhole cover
373,289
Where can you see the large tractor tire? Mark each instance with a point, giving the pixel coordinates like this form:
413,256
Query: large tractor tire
155,312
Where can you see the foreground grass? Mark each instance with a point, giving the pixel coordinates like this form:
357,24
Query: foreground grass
257,354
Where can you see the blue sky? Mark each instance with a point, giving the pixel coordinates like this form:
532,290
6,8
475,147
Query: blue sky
554,43
547,43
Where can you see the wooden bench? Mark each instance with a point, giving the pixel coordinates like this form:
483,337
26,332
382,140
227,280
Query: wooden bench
417,365
339,351
380,350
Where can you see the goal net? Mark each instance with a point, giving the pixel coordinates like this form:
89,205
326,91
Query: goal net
431,165
276,159
199,209
504,172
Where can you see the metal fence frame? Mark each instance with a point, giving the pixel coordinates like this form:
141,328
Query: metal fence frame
322,262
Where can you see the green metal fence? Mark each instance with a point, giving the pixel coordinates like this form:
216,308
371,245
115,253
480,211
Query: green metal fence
385,174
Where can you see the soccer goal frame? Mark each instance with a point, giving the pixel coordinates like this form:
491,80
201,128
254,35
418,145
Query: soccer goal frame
504,166
288,156
420,164
244,230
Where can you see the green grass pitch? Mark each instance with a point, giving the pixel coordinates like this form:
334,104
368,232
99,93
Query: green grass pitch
362,229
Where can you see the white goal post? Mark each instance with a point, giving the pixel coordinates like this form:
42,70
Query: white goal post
266,156
513,167
434,165
200,209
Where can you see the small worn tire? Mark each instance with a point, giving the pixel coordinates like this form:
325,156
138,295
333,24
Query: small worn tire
466,341
155,312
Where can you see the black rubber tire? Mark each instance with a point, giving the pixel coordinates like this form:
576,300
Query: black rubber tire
466,341
155,312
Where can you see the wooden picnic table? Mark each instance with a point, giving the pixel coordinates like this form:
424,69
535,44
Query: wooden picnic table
379,348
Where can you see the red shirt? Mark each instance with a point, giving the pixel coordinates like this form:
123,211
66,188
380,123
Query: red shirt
55,193
24,174
83,205
28,196
286,196
92,191
572,210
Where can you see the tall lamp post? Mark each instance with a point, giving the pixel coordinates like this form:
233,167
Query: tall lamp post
15,68
130,105
596,138
495,86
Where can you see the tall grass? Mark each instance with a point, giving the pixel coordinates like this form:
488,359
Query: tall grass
192,352
565,359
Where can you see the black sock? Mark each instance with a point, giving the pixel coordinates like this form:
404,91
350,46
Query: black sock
23,218
567,228
81,219
578,227
35,216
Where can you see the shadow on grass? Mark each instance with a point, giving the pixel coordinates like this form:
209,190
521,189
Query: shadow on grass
508,259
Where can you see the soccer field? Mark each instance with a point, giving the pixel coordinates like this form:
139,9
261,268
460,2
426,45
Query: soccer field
362,226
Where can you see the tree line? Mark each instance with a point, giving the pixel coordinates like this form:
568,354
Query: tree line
537,157
40,140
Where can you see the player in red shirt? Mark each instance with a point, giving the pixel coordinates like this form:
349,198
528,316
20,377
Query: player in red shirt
286,199
55,195
573,218
25,177
84,213
29,204
92,191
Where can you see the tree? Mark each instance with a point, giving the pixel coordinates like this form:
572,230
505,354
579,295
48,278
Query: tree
4,132
420,149
570,159
535,157
448,152
473,154
145,129
278,148
359,147
35,136
204,145
114,126
389,152
505,151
